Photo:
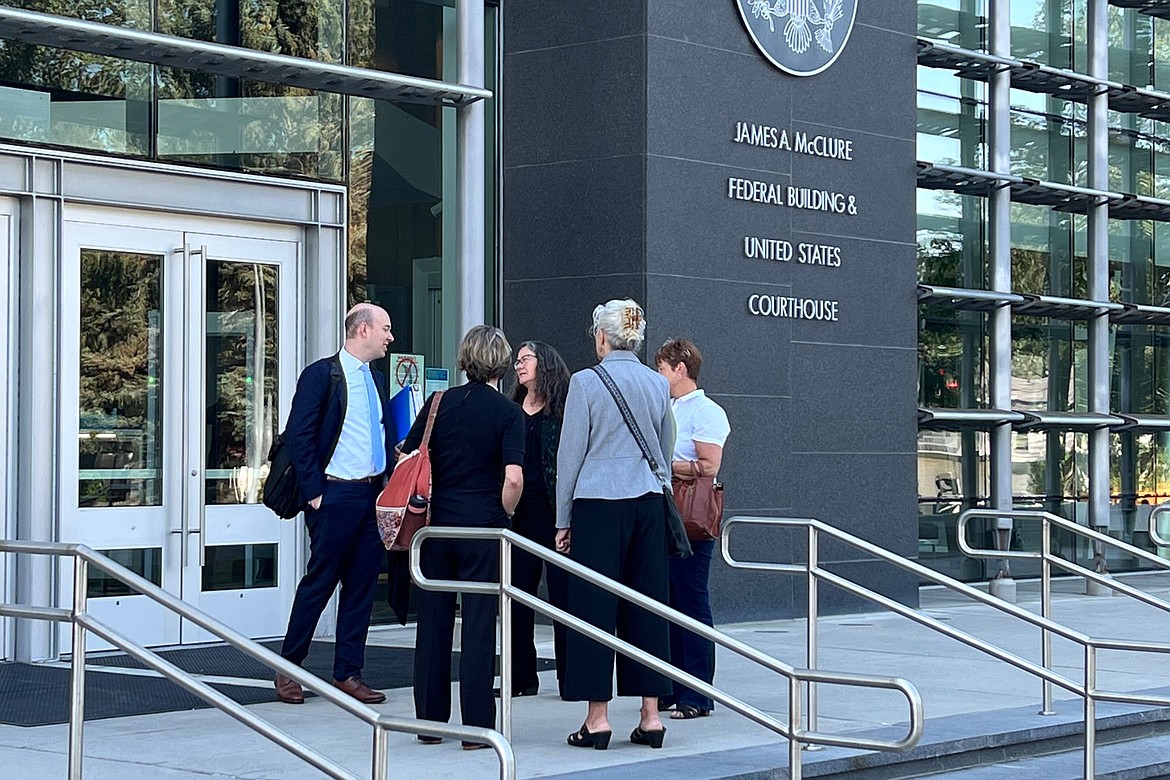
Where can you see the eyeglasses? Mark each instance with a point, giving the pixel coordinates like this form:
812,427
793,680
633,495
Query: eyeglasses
522,360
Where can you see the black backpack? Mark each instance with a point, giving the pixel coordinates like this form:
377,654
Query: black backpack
282,488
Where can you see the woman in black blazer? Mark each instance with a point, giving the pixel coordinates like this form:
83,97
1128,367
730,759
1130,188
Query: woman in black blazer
543,383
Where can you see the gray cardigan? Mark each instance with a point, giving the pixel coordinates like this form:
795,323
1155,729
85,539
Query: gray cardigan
598,456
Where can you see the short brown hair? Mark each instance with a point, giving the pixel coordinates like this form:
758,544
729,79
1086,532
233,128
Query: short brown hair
484,354
682,351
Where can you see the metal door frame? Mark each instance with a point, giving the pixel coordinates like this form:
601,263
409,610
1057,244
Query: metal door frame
9,222
44,183
182,240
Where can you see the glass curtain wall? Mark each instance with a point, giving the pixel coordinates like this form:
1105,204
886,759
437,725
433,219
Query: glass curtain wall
397,160
1049,257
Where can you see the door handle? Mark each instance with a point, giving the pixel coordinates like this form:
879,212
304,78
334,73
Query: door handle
192,490
201,389
184,252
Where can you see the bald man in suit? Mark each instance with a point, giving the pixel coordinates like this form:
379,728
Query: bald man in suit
339,443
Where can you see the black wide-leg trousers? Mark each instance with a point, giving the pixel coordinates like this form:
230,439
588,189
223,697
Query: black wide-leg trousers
526,573
624,539
474,560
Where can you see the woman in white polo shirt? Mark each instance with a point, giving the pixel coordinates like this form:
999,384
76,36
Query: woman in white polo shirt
698,451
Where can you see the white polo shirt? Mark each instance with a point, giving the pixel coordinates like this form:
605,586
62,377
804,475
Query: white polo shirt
697,418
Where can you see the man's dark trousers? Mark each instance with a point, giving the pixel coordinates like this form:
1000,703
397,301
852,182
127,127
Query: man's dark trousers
344,548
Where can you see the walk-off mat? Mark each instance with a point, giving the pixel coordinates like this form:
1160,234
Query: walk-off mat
38,694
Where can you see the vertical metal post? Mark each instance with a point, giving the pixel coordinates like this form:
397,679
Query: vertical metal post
1000,264
1046,613
813,615
1090,711
1098,272
380,769
505,639
470,217
794,718
77,670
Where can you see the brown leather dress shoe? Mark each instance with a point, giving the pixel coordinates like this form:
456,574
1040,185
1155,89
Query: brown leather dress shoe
360,691
289,691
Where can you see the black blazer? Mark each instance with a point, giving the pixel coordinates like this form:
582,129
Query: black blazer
550,440
314,423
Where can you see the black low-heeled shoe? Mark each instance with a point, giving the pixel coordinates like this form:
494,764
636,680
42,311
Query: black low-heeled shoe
652,738
598,740
531,690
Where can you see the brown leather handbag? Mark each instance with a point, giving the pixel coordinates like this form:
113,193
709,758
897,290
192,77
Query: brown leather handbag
404,505
700,502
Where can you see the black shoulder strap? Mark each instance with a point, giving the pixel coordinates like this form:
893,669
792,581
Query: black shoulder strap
628,416
335,375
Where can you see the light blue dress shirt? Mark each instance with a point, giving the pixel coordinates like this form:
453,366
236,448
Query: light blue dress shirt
354,456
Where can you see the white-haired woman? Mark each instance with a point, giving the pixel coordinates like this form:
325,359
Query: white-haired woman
610,518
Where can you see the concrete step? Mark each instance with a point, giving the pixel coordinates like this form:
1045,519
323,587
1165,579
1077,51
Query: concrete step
1140,759
994,739
1133,743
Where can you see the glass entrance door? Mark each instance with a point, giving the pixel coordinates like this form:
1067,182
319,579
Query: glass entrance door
176,374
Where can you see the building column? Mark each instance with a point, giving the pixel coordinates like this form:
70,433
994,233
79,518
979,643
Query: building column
1000,320
1098,272
37,399
470,170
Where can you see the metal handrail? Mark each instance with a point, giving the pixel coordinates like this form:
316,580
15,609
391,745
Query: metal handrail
811,568
1048,560
1155,536
82,621
509,593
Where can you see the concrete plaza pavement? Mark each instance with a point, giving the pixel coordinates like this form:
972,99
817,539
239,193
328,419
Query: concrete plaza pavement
953,680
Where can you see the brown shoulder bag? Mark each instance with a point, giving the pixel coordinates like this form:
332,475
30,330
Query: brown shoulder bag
700,502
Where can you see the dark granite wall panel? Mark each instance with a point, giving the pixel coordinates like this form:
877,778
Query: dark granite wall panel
557,310
575,103
853,399
620,139
875,277
760,460
583,218
540,24
699,234
704,311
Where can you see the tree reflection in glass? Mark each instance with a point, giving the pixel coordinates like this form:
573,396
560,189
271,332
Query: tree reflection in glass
120,393
242,383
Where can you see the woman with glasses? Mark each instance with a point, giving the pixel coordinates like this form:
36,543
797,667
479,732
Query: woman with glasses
611,518
543,382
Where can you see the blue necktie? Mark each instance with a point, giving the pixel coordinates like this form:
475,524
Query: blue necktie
379,443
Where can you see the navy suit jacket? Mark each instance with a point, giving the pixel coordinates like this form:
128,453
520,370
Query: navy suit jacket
314,423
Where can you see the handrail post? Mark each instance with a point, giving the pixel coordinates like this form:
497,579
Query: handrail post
1090,711
1046,613
794,745
77,670
505,639
381,753
811,650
